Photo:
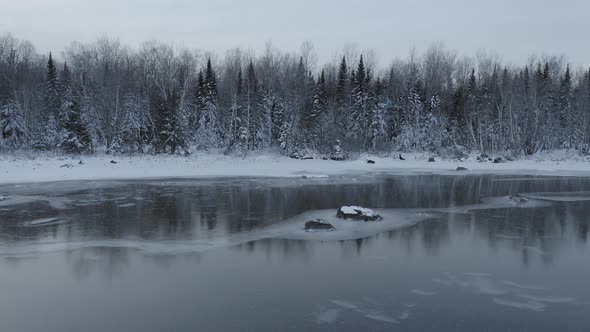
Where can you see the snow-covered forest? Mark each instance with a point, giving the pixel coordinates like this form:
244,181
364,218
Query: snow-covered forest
107,97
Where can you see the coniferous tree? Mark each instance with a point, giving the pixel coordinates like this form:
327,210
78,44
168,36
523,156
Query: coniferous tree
359,115
237,129
209,129
52,88
251,105
12,128
73,136
319,108
148,100
377,120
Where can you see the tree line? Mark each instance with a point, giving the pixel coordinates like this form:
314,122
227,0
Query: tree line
105,96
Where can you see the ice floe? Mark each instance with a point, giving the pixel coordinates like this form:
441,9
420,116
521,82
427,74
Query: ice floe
423,292
46,221
529,305
325,315
576,196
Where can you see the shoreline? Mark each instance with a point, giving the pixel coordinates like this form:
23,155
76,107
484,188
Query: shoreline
17,170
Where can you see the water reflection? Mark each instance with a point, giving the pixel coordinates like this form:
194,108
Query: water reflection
189,209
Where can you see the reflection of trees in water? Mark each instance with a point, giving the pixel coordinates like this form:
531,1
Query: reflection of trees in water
106,261
217,209
279,249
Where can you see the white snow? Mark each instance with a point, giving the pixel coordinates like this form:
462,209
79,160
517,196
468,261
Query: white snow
358,209
22,169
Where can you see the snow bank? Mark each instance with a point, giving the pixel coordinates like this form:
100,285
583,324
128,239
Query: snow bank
49,168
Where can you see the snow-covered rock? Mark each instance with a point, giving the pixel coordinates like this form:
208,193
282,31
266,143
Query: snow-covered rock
318,225
357,213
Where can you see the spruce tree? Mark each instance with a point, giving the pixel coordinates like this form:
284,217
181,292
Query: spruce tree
73,136
52,89
342,83
66,76
357,121
209,133
12,128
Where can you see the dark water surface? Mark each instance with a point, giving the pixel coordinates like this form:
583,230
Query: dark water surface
202,255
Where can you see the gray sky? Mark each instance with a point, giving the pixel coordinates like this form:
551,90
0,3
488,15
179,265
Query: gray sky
513,28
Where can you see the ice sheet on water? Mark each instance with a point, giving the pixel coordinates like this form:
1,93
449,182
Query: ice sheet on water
381,317
480,283
577,196
504,292
126,205
325,315
423,292
292,228
59,203
345,304
522,286
46,221
369,310
529,305
491,203
546,299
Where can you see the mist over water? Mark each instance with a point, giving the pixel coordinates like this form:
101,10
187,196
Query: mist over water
453,254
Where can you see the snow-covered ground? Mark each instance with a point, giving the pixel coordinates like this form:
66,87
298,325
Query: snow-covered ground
17,169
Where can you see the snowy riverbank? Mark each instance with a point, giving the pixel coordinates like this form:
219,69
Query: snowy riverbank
17,169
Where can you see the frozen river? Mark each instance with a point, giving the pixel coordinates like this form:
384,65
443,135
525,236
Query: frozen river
453,253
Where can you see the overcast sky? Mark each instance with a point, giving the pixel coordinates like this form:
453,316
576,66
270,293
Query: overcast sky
513,28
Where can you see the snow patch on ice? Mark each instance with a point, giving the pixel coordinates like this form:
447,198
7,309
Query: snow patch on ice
369,311
59,203
522,286
578,196
344,304
546,299
530,305
381,317
47,221
126,205
423,292
326,316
